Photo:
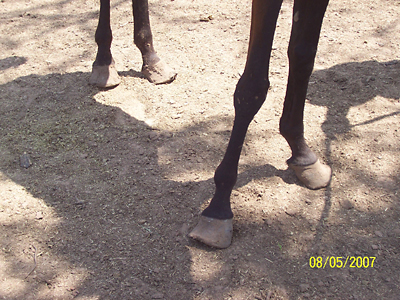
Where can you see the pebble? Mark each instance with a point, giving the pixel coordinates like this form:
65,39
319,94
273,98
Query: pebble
39,215
25,161
375,247
291,211
346,204
304,287
379,233
153,135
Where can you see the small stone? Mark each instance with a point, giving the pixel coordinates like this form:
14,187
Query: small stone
39,215
379,233
25,161
291,211
304,287
153,135
206,18
375,247
141,222
346,204
308,237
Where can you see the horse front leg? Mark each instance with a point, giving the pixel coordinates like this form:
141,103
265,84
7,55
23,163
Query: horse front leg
155,70
307,21
104,73
215,225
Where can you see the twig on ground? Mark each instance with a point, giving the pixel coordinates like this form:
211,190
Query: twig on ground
34,260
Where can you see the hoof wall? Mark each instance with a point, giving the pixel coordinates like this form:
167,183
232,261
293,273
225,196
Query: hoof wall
314,176
213,232
104,76
159,73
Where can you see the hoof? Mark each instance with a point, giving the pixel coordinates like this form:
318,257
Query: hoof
213,232
158,73
104,76
314,176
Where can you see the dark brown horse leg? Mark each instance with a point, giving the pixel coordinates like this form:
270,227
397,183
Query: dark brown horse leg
104,73
155,70
307,21
215,225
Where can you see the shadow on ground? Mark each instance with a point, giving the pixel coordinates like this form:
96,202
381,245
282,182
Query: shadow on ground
125,223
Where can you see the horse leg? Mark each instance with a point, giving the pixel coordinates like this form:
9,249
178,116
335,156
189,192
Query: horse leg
104,73
307,20
155,70
215,225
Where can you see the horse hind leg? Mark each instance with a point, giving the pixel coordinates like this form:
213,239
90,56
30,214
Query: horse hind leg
154,69
104,74
307,21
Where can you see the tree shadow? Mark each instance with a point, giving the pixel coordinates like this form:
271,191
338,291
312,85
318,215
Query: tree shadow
122,219
12,62
341,88
349,85
132,73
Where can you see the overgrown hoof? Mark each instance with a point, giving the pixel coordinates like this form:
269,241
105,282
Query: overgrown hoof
314,176
104,76
213,232
159,73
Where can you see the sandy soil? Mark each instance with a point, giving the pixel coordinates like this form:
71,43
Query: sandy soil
118,177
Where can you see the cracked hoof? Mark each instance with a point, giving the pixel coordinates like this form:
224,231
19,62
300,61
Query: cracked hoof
314,176
159,73
213,232
104,76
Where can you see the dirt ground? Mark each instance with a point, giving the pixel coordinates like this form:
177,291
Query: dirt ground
118,177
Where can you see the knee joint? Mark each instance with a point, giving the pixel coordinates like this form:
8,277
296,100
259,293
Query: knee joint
249,96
